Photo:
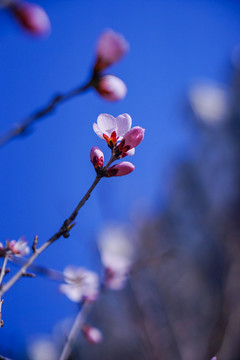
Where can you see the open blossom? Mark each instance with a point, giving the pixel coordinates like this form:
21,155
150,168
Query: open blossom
92,334
112,129
20,247
81,284
110,48
111,88
120,169
32,17
118,129
116,253
96,157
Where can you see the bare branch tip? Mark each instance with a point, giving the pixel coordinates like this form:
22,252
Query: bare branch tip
34,245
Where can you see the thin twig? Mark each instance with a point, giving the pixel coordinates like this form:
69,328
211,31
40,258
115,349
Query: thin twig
3,269
21,128
35,241
3,358
63,231
77,326
1,279
146,342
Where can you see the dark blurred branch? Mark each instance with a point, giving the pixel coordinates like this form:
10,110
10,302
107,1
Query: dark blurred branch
146,340
21,129
76,328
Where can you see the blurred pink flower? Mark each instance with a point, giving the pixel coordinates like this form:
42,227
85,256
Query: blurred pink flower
210,102
96,157
110,48
131,139
81,284
123,168
32,17
111,88
92,334
20,247
112,129
117,256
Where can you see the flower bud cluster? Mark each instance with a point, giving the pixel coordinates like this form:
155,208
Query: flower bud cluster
31,17
121,139
110,48
13,247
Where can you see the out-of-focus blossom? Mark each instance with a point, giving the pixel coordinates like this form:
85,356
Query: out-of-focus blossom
214,358
120,169
116,252
96,157
131,139
81,284
32,17
92,334
111,88
112,129
209,102
2,250
110,48
20,247
42,349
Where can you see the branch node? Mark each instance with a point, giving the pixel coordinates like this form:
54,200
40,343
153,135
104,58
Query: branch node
34,245
26,274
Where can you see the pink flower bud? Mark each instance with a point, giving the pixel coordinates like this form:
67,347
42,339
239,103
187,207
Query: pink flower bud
131,139
32,17
96,157
111,88
110,48
92,334
120,169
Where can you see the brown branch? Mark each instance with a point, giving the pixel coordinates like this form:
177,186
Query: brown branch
76,328
21,128
63,231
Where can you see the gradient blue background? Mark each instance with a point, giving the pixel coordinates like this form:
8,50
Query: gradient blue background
44,175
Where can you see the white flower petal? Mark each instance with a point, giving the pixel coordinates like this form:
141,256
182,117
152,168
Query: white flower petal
131,152
81,283
107,124
74,293
70,274
124,123
97,131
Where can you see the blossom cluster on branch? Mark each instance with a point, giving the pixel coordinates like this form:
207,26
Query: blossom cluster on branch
82,285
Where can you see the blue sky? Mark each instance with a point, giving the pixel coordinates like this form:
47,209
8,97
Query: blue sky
44,175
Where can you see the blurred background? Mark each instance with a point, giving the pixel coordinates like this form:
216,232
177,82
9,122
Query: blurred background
182,201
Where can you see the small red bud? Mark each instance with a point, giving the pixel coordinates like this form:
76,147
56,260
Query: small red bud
96,157
120,169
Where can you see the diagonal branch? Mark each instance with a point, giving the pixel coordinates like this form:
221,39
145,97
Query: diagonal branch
63,231
77,326
21,128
